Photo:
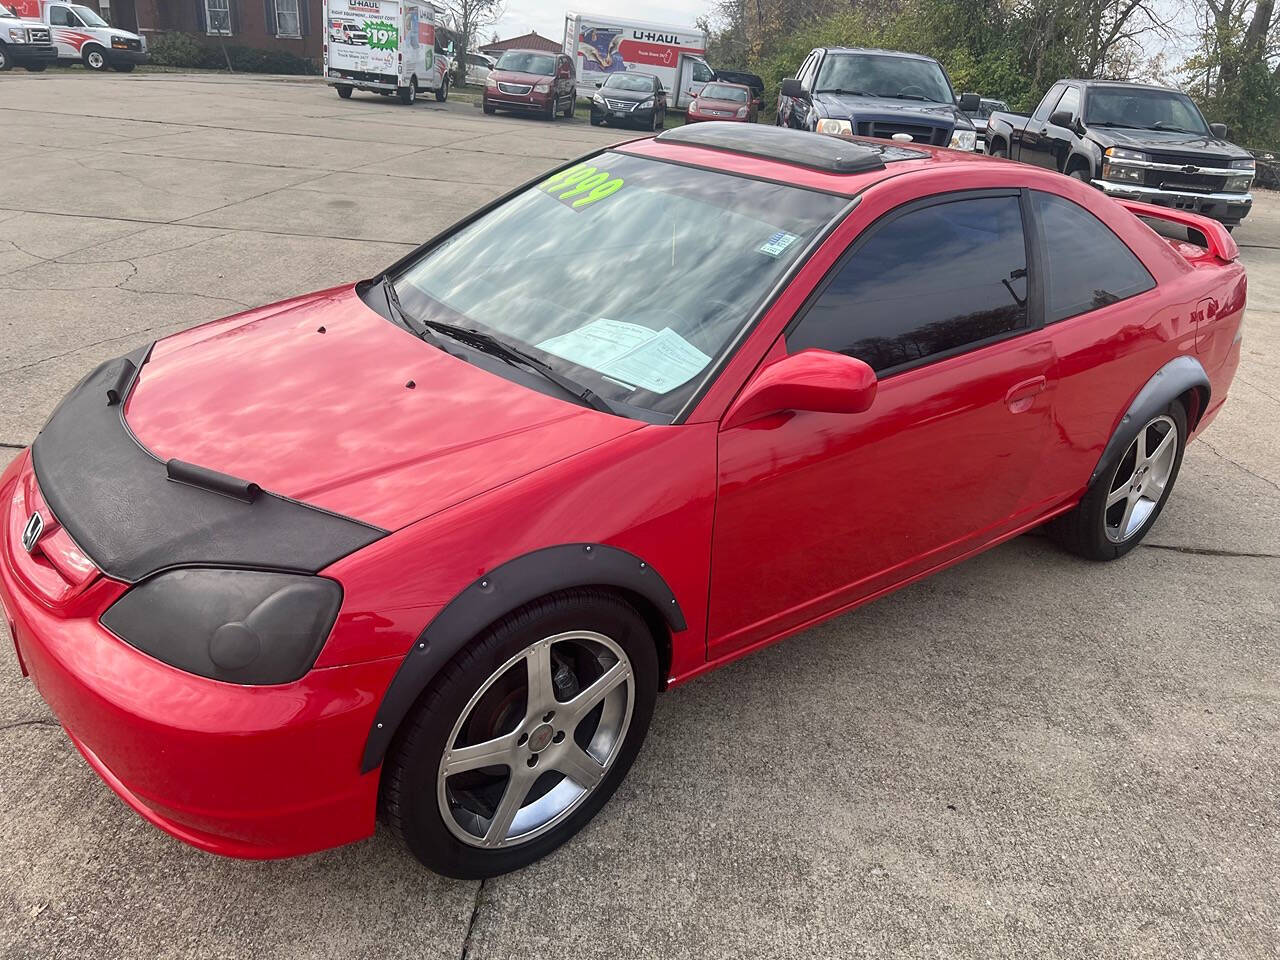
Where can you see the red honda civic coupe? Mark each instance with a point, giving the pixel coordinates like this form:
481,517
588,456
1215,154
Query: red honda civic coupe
428,547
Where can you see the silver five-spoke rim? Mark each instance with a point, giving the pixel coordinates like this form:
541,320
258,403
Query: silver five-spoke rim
536,739
1141,479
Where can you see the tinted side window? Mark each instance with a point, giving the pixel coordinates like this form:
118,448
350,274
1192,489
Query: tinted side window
1088,266
1046,105
1070,102
928,282
805,76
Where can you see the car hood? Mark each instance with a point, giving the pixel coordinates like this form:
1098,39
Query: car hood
511,76
1172,140
630,96
707,103
843,105
323,401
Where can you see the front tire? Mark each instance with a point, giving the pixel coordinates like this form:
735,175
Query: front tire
1124,502
573,104
1081,175
94,59
1000,152
486,776
121,67
442,93
6,63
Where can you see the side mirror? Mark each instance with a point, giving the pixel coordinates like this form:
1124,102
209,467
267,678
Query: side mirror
758,102
1220,130
969,102
817,381
599,83
1062,118
791,88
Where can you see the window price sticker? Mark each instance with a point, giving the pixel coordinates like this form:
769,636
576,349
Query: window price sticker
777,243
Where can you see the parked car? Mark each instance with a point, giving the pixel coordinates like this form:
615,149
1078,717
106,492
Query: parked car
80,35
531,81
478,67
731,102
24,43
877,93
986,107
1135,141
751,81
432,543
630,99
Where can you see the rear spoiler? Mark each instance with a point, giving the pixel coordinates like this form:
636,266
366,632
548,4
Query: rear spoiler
1213,234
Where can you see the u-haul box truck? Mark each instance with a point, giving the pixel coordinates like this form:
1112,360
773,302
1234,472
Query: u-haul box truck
604,45
386,46
78,33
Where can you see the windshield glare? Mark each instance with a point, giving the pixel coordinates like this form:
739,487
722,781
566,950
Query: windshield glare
518,62
635,294
89,17
720,91
1144,109
879,76
621,81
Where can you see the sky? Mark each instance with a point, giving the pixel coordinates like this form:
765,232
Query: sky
547,16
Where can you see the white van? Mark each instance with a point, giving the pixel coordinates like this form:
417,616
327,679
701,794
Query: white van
385,46
604,45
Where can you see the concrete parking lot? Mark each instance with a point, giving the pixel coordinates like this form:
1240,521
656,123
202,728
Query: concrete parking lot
1026,755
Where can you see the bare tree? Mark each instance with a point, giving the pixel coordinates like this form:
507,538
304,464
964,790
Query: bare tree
470,17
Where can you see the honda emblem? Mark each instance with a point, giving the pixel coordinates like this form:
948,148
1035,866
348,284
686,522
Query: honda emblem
31,532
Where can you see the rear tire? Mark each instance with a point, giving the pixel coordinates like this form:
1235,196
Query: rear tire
344,92
409,95
451,821
1100,530
119,67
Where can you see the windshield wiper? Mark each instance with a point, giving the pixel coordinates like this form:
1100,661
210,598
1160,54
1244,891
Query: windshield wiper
852,93
486,342
909,96
1158,125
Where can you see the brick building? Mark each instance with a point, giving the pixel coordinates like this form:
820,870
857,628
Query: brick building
292,26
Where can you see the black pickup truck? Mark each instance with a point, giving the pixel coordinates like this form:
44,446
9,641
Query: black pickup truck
1134,141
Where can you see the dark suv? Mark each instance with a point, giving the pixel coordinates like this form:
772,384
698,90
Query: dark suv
877,93
531,81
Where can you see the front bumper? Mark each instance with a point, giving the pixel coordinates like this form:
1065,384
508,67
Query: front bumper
32,54
531,102
601,114
120,55
242,771
1225,207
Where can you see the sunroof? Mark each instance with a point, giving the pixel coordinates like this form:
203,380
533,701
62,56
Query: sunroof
813,150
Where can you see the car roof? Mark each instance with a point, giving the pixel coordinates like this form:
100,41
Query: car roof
880,52
1125,83
729,83
546,53
631,73
812,160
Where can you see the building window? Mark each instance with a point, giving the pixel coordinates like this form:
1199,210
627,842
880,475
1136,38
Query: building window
288,23
218,16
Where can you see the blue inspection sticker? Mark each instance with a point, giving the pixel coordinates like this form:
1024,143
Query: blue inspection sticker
777,243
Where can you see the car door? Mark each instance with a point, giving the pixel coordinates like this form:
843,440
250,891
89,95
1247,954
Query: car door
1026,142
1046,144
564,79
64,30
817,511
792,111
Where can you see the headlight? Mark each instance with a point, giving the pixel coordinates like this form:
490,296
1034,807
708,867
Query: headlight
1115,168
1241,182
836,128
241,626
742,113
17,35
544,87
645,105
963,140
491,82
598,98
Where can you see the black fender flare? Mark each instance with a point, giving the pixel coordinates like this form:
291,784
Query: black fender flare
1167,384
491,597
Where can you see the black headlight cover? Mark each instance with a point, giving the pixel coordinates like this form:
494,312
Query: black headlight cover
240,626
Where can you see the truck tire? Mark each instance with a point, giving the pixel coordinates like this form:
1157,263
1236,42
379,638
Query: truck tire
5,62
1000,152
343,91
409,94
94,59
442,94
1081,175
122,67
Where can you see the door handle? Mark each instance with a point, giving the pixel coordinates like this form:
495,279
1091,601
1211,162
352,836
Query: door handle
1022,395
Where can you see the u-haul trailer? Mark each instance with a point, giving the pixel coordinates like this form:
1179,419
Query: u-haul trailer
387,47
603,45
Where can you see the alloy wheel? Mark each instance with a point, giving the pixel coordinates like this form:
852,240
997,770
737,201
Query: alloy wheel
1141,479
536,739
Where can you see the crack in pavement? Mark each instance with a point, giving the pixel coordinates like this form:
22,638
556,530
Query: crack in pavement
471,924
1235,463
33,722
1210,552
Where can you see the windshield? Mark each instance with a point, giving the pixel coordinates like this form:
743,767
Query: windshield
6,12
519,62
875,75
621,81
988,107
722,91
90,17
630,276
1144,109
